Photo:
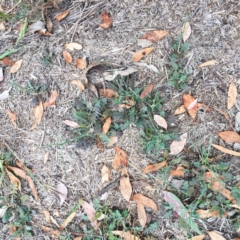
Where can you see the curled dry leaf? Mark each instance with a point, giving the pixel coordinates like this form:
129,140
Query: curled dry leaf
62,192
16,66
178,172
91,213
208,213
7,61
67,56
71,123
147,202
81,63
154,36
177,146
46,156
107,21
106,174
62,15
68,220
47,216
112,141
52,99
125,185
160,121
12,116
52,232
141,53
180,110
208,63
13,179
23,167
106,125
122,155
126,235
186,31
225,150
232,95
23,175
187,100
78,84
5,94
229,136
146,91
215,236
73,46
154,167
142,217
108,93
38,113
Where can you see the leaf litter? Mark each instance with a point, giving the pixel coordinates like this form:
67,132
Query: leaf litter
62,192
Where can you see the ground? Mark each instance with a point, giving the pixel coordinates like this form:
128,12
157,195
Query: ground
215,35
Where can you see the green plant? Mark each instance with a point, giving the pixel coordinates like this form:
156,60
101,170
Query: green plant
47,58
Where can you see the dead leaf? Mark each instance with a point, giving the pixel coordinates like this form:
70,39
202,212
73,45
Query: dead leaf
141,53
144,43
52,99
199,237
13,179
225,150
7,61
125,185
51,231
23,167
147,202
178,172
16,66
100,145
154,36
91,213
107,21
215,236
71,123
106,125
229,136
232,95
62,192
208,63
108,93
212,177
106,174
62,15
67,56
226,116
13,117
23,175
37,26
200,105
142,217
49,24
68,220
2,26
126,235
80,238
47,216
177,146
127,105
38,113
208,213
146,91
81,63
180,110
78,84
154,167
186,31
13,229
5,94
116,162
160,121
44,32
73,46
46,156
187,100
92,88
235,206
122,155
112,141
192,104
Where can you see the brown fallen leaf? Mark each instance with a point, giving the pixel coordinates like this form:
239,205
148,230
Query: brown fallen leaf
199,237
160,121
232,95
81,63
71,123
108,93
38,113
126,235
226,116
91,213
142,217
229,136
68,220
67,56
23,167
7,61
116,162
106,174
46,156
49,24
2,26
225,150
23,175
106,125
112,141
201,105
147,202
62,15
208,63
192,104
52,99
45,33
154,167
99,144
208,213
13,179
215,236
12,116
212,177
180,110
127,105
122,155
72,46
137,56
177,146
16,66
154,36
146,91
107,21
47,216
125,185
52,232
187,100
13,229
178,172
186,31
78,84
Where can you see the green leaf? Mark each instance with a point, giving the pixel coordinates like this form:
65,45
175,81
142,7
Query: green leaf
10,51
24,198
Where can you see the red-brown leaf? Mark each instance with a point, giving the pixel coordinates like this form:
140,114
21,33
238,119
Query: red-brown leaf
122,155
108,93
107,21
187,100
154,36
147,202
62,15
6,61
52,99
67,56
137,56
146,91
125,185
106,125
229,136
154,167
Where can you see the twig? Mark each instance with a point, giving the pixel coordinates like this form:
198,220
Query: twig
14,6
